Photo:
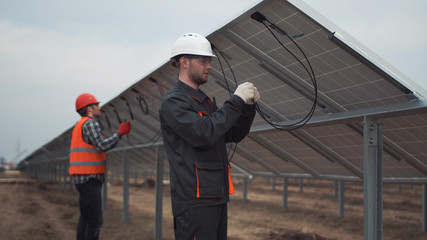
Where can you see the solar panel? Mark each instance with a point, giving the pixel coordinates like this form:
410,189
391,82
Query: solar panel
350,86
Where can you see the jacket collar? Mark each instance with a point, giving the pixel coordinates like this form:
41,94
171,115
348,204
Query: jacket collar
198,95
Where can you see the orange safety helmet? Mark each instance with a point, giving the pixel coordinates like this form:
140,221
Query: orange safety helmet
85,99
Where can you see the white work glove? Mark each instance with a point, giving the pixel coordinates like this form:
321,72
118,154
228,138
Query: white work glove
256,97
246,91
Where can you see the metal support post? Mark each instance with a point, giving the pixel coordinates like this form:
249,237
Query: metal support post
71,185
145,179
301,185
51,174
60,174
245,189
341,199
424,212
335,189
273,184
159,193
285,193
372,179
126,187
64,173
56,178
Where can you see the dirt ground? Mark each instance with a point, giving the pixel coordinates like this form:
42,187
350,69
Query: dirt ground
39,210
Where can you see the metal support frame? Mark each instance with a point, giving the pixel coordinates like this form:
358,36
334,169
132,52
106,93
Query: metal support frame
282,153
424,211
326,151
126,187
59,169
55,172
372,179
281,72
245,189
285,193
341,199
63,176
303,136
273,183
335,185
301,185
70,188
246,173
66,175
372,174
159,193
246,154
145,179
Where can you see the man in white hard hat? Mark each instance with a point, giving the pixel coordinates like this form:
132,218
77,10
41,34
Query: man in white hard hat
195,132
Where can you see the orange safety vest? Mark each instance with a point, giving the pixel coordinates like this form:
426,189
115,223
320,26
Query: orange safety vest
84,158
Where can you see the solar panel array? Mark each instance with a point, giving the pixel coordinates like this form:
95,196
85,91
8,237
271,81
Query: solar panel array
351,84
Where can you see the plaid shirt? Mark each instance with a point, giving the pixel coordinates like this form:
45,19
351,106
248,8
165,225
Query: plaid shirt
92,135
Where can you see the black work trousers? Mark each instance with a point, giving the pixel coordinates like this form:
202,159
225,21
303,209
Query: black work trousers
205,223
90,202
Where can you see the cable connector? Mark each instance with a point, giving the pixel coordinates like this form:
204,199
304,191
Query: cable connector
258,17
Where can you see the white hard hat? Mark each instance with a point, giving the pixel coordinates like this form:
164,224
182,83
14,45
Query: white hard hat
192,44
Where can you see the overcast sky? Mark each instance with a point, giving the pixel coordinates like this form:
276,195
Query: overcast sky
53,50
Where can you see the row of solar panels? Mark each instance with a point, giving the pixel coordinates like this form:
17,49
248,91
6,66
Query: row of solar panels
351,83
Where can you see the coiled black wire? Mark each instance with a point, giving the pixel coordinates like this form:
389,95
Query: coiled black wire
303,121
233,147
282,127
141,99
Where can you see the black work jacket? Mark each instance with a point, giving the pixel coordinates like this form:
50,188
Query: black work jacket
195,132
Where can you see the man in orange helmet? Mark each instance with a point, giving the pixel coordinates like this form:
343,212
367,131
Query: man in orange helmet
87,164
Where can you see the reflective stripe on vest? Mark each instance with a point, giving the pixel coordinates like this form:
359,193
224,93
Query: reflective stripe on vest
84,158
87,163
89,150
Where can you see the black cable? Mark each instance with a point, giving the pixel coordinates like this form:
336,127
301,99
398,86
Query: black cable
222,69
230,150
117,113
288,127
284,127
129,108
141,99
119,119
106,117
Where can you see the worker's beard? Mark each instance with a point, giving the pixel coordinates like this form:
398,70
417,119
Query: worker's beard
198,78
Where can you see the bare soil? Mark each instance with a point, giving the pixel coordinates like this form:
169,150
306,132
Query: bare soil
40,210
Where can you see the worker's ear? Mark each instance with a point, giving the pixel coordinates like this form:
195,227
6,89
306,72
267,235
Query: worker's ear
89,110
183,61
